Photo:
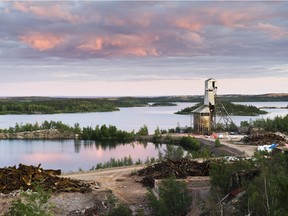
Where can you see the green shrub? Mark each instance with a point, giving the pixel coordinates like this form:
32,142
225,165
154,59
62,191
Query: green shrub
32,203
217,142
120,210
191,142
173,153
174,198
143,131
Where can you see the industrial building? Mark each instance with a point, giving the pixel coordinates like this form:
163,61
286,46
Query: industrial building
205,115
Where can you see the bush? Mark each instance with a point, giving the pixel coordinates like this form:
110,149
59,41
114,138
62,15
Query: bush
190,142
174,198
173,153
217,142
32,203
143,131
120,210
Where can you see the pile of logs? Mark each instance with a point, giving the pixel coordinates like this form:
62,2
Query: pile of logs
179,169
264,139
25,177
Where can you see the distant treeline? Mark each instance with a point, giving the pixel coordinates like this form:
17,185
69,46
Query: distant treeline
108,134
48,105
232,109
100,133
56,106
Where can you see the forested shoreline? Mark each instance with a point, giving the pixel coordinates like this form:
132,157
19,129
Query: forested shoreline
112,133
232,109
50,105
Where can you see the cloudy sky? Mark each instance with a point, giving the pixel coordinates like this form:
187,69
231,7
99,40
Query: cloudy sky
129,48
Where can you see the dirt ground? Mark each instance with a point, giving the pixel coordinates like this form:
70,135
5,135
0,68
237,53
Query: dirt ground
118,181
115,180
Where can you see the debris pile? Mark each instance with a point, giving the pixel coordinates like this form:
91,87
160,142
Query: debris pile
264,139
179,168
12,178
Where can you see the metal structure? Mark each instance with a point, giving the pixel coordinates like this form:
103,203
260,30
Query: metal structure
224,116
205,115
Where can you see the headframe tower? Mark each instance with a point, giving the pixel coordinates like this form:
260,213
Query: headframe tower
205,115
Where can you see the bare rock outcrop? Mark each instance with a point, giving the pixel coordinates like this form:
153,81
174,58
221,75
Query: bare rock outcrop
39,134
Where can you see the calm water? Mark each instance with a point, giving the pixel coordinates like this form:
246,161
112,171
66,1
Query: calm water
272,113
126,119
70,155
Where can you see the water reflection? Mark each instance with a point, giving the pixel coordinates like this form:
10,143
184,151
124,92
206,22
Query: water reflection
70,155
73,154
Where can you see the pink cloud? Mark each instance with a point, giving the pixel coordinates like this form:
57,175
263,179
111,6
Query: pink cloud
275,32
52,11
187,23
191,37
120,45
92,45
139,51
234,18
41,42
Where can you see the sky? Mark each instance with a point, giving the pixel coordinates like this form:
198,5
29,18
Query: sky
142,48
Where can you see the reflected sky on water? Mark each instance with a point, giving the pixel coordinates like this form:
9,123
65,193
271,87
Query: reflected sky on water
70,155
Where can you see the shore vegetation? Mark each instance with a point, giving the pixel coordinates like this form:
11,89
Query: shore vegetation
53,105
232,109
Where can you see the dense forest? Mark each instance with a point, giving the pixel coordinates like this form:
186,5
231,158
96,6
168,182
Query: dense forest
232,109
56,106
64,105
49,105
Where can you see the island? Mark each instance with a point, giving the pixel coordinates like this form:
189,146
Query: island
232,109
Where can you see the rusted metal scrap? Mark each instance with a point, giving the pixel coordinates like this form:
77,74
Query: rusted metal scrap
179,168
25,177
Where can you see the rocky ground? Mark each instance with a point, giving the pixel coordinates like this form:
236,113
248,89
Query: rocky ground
114,181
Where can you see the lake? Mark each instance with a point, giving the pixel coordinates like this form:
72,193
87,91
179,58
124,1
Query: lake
70,155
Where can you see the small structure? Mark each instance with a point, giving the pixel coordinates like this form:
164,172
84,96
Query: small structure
205,115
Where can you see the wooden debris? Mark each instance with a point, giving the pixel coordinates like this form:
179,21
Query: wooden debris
12,178
264,139
179,168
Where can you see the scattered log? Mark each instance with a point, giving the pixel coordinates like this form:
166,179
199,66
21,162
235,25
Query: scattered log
179,169
25,177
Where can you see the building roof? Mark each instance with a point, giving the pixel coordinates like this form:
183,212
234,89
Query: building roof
210,79
201,109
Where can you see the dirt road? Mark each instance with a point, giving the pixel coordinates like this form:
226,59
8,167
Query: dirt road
119,180
233,142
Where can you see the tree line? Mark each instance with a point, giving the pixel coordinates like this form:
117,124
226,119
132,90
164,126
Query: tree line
232,109
56,106
279,124
47,105
100,133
